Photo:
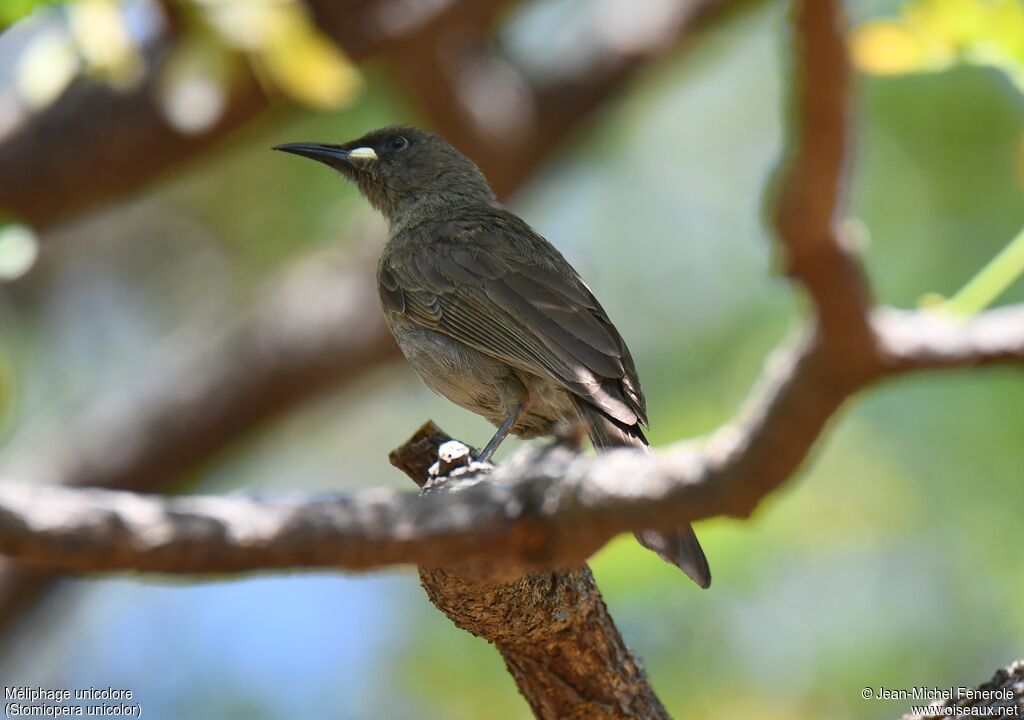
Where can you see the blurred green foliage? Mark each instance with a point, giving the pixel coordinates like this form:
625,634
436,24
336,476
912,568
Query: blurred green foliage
938,35
6,393
933,35
12,10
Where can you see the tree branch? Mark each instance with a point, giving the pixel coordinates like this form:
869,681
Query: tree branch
50,158
920,340
547,508
309,335
512,123
1002,696
553,629
739,466
813,175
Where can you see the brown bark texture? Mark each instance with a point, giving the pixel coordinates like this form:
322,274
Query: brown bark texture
553,630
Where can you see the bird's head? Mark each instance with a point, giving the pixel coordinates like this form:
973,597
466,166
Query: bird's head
400,167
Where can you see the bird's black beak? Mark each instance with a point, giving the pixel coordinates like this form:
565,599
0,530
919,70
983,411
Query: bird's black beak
336,156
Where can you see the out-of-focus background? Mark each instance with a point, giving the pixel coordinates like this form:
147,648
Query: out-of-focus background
889,562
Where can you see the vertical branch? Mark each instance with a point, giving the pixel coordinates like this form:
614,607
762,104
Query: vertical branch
557,639
813,178
553,629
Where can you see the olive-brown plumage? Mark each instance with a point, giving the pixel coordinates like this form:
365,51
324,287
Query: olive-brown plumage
489,313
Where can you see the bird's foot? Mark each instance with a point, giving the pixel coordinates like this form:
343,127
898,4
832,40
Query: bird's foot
455,458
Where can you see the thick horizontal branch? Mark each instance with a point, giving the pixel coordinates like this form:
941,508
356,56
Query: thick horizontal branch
318,329
546,508
803,388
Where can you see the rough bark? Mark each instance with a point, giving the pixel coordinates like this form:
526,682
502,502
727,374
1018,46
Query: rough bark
553,630
1002,696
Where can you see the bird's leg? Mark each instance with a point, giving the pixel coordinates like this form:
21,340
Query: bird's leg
502,433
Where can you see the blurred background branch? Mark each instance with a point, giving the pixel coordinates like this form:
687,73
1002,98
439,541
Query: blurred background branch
443,54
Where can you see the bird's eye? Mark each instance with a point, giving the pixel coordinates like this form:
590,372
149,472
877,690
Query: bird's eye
398,143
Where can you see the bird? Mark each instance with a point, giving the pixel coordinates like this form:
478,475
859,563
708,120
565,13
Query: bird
490,314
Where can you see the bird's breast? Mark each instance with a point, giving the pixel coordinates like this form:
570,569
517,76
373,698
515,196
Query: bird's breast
478,382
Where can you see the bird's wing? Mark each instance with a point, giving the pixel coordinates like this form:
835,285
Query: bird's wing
534,318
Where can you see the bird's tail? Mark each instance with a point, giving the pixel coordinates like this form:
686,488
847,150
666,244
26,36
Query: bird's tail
680,548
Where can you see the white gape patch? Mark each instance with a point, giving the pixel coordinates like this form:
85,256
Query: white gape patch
363,153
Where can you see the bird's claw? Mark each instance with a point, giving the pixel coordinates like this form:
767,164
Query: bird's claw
455,457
